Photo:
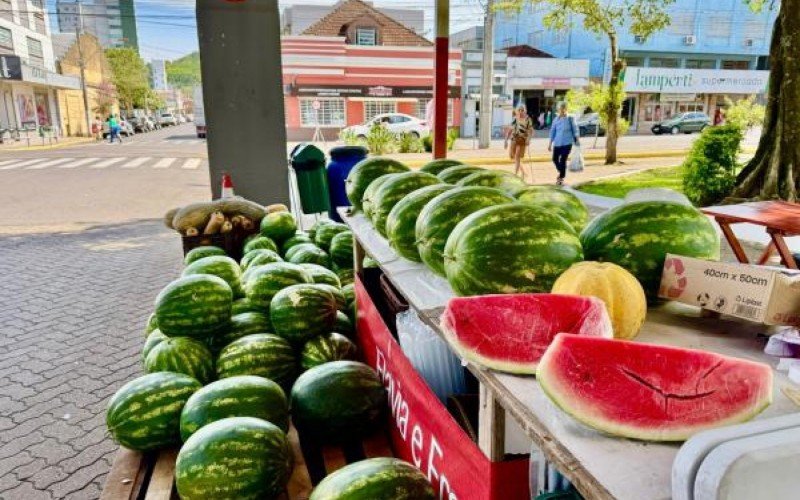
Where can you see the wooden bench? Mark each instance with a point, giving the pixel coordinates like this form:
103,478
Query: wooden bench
151,476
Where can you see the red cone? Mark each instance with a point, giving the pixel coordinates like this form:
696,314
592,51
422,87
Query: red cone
227,186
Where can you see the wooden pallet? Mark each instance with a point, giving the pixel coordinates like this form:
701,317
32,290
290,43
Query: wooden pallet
151,476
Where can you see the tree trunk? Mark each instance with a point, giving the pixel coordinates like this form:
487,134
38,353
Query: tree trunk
774,171
612,105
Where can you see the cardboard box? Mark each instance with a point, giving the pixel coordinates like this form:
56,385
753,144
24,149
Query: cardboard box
767,295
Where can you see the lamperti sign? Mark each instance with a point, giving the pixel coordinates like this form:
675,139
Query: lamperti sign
696,81
10,68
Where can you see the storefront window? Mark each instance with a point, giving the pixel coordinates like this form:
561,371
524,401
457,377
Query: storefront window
698,105
734,64
652,108
329,114
701,63
375,108
663,62
42,110
636,62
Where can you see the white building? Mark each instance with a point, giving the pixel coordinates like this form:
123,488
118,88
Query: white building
296,18
28,77
111,21
158,74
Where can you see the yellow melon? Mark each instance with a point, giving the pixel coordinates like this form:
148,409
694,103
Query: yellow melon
616,287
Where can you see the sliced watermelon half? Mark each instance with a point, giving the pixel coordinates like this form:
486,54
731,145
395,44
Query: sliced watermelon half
510,333
651,392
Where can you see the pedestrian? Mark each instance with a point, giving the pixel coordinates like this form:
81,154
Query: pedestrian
519,133
114,129
97,129
563,134
541,120
719,118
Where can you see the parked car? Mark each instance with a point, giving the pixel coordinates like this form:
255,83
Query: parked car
181,119
396,123
141,124
167,120
126,129
686,123
589,123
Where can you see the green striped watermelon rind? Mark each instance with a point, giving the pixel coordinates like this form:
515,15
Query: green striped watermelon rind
267,280
499,179
242,325
219,265
240,396
402,220
194,306
338,295
341,249
374,478
201,252
235,458
511,248
436,166
394,190
243,305
368,203
151,341
559,200
298,238
321,274
366,171
259,257
181,355
326,348
260,242
144,414
301,312
343,324
326,232
278,226
454,174
264,355
152,324
307,253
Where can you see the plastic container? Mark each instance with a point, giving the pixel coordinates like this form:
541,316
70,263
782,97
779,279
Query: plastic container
343,159
308,162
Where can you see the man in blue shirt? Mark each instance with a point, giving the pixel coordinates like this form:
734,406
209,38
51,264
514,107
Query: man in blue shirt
563,134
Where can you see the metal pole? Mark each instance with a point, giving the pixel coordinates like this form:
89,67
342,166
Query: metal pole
82,63
487,76
440,86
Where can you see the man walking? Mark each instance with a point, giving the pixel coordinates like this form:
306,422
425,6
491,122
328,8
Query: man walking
113,129
563,134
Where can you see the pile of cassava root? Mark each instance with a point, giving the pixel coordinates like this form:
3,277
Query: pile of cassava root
219,216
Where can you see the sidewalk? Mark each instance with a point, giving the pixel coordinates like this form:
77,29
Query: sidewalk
39,144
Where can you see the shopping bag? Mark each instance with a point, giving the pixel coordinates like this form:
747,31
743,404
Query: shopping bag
576,160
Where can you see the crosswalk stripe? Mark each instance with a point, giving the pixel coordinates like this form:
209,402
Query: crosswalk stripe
6,162
47,164
136,163
107,163
82,161
192,164
164,163
23,163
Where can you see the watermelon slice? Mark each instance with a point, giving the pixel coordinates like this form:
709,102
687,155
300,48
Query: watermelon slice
651,392
510,333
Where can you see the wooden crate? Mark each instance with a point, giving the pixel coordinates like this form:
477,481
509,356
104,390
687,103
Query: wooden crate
151,476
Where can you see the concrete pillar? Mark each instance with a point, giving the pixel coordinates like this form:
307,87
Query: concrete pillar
442,72
243,97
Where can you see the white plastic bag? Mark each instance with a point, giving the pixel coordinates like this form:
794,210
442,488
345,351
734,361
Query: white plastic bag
576,159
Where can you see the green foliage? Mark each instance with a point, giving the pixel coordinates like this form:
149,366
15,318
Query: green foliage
452,135
379,139
408,143
744,113
184,73
129,75
619,187
350,138
710,168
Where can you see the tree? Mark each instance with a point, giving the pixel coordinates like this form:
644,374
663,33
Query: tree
605,18
105,98
595,99
774,171
184,73
129,75
744,113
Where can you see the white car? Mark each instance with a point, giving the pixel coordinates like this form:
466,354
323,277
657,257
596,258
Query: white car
397,123
167,119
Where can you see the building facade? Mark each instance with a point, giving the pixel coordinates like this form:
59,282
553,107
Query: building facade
158,74
113,22
28,77
710,52
298,18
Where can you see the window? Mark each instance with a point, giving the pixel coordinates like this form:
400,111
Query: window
366,36
636,62
734,64
329,114
35,53
6,12
375,108
701,64
663,62
422,105
6,42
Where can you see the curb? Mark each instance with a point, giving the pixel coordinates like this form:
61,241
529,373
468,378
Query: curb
45,147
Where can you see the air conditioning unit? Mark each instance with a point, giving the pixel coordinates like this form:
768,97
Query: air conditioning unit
639,39
689,40
749,42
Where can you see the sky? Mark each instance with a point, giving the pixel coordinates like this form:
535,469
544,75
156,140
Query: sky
167,28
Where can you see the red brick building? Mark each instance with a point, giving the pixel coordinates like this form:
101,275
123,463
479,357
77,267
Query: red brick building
356,63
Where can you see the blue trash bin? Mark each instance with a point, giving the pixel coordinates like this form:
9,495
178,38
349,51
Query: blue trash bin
343,158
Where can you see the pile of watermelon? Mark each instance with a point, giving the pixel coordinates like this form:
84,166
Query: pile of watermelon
232,346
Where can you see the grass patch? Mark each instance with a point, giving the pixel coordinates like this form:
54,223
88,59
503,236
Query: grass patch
618,187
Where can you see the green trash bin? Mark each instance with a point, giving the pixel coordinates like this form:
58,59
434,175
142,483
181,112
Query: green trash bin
308,162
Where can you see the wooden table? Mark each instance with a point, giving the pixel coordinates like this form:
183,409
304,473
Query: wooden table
599,466
780,218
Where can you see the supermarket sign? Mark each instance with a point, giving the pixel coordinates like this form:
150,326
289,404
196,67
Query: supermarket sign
696,81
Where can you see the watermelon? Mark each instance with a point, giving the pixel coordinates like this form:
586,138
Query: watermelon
349,292
499,179
436,166
243,396
278,226
194,306
651,392
454,174
638,236
269,279
341,301
559,201
394,190
301,312
145,413
438,218
509,248
155,338
312,232
326,348
259,242
368,203
198,253
322,275
402,220
181,355
510,333
338,401
341,249
299,237
242,325
234,458
259,257
219,265
307,253
343,324
366,171
262,354
346,276
382,478
244,305
152,324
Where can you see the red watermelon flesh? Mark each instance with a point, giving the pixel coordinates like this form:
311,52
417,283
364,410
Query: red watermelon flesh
651,392
510,333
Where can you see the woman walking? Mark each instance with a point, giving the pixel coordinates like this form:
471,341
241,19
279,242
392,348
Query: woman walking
563,134
520,134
